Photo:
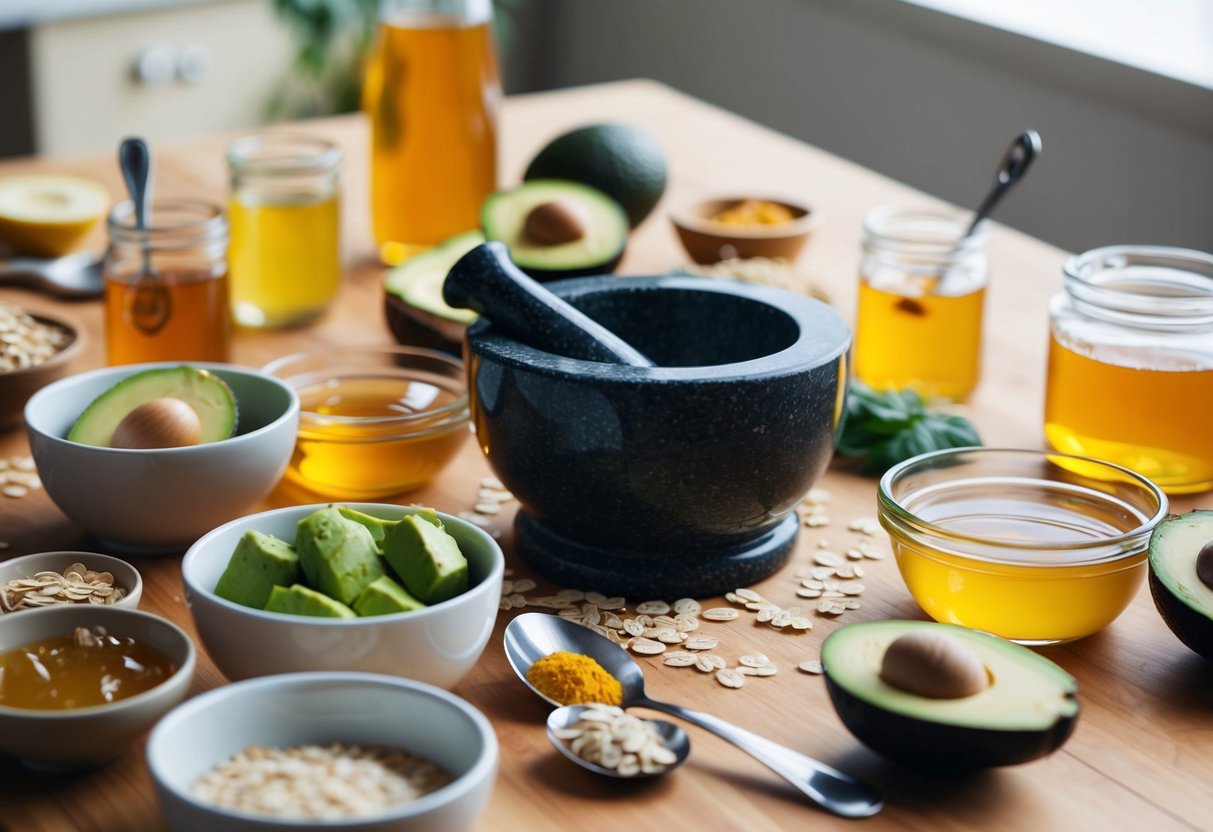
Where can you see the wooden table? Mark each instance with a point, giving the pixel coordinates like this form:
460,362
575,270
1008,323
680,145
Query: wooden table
1142,755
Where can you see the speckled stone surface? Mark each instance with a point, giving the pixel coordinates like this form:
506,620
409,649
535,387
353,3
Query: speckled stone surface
679,479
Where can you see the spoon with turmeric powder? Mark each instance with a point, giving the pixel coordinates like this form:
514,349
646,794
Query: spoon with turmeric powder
532,636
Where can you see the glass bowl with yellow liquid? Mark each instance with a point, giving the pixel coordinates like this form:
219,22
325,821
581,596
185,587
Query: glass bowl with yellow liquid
374,421
1033,546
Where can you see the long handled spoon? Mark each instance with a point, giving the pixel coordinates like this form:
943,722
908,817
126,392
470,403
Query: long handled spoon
152,305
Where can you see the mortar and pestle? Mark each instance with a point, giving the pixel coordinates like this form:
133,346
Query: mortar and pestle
658,432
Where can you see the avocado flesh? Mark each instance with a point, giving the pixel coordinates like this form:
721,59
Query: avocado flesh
299,600
427,559
504,214
377,526
260,562
207,394
418,280
385,597
1183,600
1028,710
338,556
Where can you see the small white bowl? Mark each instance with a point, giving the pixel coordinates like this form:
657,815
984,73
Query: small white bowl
438,644
126,576
324,708
161,500
84,737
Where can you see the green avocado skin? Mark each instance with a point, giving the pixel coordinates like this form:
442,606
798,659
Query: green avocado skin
260,562
1190,626
922,744
427,559
338,556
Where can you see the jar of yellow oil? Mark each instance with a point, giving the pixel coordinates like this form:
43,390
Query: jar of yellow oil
1130,374
921,301
1033,546
285,225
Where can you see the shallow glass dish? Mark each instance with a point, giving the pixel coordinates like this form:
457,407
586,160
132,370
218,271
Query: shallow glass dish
374,421
1033,546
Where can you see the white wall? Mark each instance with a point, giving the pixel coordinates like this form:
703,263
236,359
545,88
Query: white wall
920,96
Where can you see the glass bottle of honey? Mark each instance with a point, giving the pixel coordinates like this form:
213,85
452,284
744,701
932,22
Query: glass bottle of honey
921,299
1130,374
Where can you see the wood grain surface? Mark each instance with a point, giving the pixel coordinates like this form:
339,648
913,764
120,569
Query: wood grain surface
1141,757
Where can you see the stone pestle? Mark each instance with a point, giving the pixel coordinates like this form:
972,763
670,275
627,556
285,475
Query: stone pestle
487,281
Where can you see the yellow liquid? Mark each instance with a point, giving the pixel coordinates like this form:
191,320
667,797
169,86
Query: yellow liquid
431,90
196,324
1029,603
285,260
1154,421
57,673
929,343
357,461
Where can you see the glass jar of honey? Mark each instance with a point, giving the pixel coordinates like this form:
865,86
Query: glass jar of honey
166,289
1130,373
286,253
921,299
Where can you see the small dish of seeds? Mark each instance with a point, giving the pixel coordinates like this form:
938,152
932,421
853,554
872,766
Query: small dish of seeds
48,579
34,351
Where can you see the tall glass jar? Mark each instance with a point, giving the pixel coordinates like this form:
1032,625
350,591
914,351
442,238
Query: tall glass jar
166,286
432,91
1130,376
921,300
286,250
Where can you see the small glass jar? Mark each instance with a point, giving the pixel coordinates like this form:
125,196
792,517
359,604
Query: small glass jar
921,301
1130,374
286,249
166,286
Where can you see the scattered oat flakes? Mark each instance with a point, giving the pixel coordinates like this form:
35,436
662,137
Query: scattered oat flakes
653,607
720,614
699,642
810,666
730,678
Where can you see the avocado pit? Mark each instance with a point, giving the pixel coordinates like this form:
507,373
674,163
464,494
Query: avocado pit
556,222
934,665
160,423
1204,564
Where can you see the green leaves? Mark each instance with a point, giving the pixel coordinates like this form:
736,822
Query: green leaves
887,428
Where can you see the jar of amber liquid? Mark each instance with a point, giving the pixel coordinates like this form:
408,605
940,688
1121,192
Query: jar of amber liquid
921,299
166,286
1131,363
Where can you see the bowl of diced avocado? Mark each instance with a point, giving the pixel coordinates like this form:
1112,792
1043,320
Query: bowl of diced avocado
402,590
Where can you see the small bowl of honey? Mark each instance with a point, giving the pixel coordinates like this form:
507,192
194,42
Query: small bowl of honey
83,682
374,421
1033,546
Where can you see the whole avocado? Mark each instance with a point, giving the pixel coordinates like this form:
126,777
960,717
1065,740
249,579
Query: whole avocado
624,162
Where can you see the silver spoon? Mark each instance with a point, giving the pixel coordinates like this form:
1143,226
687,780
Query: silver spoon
531,636
674,738
152,305
73,277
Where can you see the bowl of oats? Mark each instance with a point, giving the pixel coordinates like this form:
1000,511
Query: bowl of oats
359,751
35,350
50,579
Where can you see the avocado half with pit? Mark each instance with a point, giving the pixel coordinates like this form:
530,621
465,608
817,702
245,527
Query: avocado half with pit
413,305
556,229
1181,577
1027,709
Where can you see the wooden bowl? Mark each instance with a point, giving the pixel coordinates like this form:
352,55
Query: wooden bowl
16,386
709,241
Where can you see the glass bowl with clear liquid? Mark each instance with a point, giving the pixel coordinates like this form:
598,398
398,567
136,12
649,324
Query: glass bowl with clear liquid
1033,546
374,421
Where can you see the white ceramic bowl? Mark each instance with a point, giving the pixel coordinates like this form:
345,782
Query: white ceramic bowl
161,500
438,644
322,708
125,576
83,737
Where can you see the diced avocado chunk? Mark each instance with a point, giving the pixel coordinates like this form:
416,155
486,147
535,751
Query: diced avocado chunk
206,394
427,559
384,597
260,562
377,526
299,600
338,556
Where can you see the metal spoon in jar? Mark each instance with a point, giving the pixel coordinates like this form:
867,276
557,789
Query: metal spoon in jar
152,305
673,737
531,636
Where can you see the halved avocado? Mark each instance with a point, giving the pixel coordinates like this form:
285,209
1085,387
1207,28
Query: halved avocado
1182,597
206,394
1027,711
416,313
556,229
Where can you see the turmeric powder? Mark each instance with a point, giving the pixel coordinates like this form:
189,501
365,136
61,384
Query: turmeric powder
574,679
